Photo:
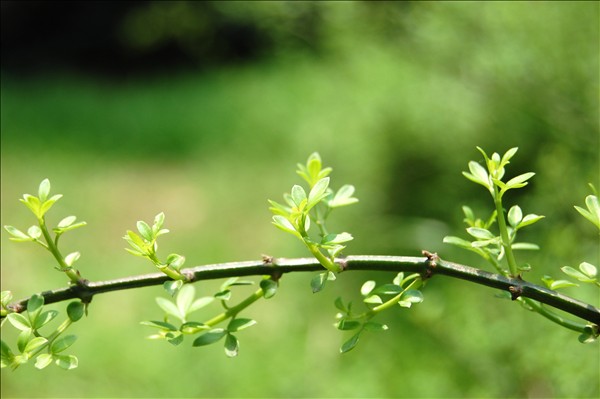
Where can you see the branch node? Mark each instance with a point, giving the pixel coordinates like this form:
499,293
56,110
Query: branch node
432,259
268,260
515,291
343,263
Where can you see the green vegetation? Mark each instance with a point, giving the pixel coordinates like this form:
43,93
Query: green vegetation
396,101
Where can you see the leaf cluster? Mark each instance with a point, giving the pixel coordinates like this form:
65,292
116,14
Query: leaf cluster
403,291
303,209
31,342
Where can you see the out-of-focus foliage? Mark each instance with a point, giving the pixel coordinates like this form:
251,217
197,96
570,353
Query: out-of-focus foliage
394,95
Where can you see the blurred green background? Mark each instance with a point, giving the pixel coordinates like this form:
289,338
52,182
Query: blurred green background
202,109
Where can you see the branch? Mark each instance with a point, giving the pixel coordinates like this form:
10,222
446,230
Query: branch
426,266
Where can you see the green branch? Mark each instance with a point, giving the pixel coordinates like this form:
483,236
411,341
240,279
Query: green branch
427,267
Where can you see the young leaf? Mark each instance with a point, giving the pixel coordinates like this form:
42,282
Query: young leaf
67,362
200,303
317,193
588,269
72,258
343,197
367,287
19,321
269,288
62,343
46,205
576,274
35,304
185,298
34,232
285,225
34,344
232,345
236,325
346,325
17,235
159,324
172,286
66,222
169,308
175,261
145,230
593,212
350,344
193,327
479,233
43,360
317,283
210,337
44,318
372,326
75,310
373,299
44,190
298,195
519,181
515,215
478,175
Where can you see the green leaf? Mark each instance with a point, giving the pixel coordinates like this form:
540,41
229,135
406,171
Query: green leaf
193,327
576,274
5,298
346,325
410,297
285,225
44,318
34,232
67,362
508,155
45,207
527,246
210,337
34,344
6,355
350,344
17,235
279,209
23,339
333,239
557,284
172,286
339,304
481,234
75,310
66,222
478,175
163,325
145,230
35,304
298,195
169,308
372,326
19,321
62,343
515,215
33,203
236,325
588,269
175,261
343,197
373,299
387,289
72,258
317,193
44,190
232,345
69,228
519,181
43,361
317,283
593,212
159,220
457,241
185,298
529,219
200,303
367,287
269,288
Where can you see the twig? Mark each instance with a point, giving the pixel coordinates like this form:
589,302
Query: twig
426,266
